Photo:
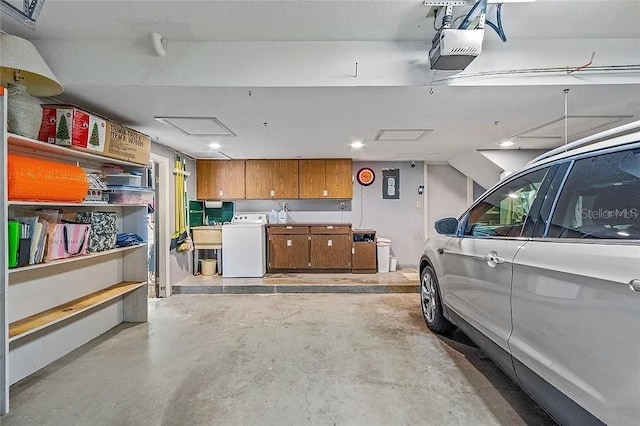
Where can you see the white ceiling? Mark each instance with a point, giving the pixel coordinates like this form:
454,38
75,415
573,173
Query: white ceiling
322,121
313,20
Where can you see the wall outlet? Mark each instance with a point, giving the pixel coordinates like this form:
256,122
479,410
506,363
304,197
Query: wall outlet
419,204
342,205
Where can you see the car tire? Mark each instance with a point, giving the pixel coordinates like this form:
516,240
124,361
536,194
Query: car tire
431,303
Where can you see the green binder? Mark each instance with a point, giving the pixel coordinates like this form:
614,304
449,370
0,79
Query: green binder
14,242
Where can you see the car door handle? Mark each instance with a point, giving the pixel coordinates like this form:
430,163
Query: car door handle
493,259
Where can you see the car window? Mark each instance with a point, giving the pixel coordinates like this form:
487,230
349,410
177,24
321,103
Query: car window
601,199
503,212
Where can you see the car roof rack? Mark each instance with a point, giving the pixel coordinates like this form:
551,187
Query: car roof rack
598,137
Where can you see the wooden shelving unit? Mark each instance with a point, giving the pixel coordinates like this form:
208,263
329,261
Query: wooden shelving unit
42,320
49,309
43,149
84,258
55,204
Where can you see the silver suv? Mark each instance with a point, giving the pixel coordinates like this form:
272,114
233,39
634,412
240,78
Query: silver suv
543,273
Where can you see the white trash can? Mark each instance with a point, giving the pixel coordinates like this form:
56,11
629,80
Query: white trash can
393,264
383,252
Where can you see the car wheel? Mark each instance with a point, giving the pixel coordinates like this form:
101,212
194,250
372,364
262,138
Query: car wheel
431,304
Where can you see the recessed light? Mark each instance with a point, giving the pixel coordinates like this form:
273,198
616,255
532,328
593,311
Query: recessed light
507,143
357,145
214,145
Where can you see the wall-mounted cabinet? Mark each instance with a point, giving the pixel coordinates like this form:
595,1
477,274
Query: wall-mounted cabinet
220,179
274,179
271,179
331,179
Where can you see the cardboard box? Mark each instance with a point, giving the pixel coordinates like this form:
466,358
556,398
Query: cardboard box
70,126
126,144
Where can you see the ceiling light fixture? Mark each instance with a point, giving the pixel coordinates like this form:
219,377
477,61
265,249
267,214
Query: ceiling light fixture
214,145
357,145
506,144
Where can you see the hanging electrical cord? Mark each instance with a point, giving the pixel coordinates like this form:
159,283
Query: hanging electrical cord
470,16
498,28
361,207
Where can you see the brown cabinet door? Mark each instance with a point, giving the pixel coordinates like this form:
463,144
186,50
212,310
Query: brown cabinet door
312,178
207,180
232,179
284,179
331,252
339,179
288,252
258,179
364,256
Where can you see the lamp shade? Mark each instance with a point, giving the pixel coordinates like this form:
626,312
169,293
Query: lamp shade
19,54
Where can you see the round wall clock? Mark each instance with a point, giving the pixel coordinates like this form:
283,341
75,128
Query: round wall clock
365,176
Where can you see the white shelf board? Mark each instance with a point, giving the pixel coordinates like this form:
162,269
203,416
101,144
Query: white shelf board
63,204
73,259
41,147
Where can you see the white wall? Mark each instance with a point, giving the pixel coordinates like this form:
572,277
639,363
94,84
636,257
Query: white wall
511,160
399,220
179,263
446,194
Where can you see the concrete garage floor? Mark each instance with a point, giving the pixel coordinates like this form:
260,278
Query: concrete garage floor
341,359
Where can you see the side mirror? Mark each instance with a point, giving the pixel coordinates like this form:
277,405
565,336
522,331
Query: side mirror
447,226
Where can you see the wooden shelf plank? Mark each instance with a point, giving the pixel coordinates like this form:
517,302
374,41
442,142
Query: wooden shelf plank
73,259
42,147
42,320
63,204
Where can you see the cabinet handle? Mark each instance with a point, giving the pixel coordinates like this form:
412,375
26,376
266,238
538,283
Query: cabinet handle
325,193
289,243
329,227
289,227
330,243
221,192
272,193
353,250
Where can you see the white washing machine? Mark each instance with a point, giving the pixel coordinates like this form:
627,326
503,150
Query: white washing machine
244,247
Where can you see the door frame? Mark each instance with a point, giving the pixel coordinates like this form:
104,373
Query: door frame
163,205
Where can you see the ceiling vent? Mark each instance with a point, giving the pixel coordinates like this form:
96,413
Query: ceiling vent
552,133
197,126
211,154
405,135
